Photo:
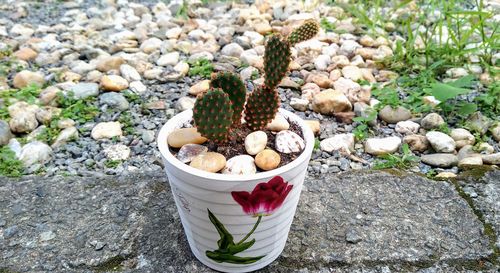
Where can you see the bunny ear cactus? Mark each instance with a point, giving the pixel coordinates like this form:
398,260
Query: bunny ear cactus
276,60
235,88
261,108
213,115
305,32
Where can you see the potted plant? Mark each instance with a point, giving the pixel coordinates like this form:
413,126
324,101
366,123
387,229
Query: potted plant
238,220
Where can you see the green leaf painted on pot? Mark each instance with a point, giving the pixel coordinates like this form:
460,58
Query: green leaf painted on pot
229,258
226,239
241,247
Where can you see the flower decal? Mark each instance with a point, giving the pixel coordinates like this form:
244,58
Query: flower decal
262,201
265,197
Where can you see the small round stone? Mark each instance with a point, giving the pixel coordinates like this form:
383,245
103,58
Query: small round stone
210,162
255,142
180,137
289,142
113,83
240,164
267,160
190,151
279,123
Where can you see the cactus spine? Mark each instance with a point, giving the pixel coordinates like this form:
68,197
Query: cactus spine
235,88
305,32
212,114
276,60
261,108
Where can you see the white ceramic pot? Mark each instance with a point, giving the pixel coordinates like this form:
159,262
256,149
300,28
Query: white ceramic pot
235,223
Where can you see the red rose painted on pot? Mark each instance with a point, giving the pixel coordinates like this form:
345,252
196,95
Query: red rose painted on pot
265,197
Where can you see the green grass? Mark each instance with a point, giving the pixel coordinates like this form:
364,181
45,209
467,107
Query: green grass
361,131
125,120
28,94
80,110
9,165
201,67
405,161
112,163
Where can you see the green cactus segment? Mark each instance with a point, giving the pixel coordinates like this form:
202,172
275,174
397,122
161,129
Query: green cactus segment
261,108
212,114
235,88
276,60
305,32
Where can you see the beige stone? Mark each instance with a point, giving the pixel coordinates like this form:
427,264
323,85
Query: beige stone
331,101
25,54
183,136
267,160
209,162
113,83
25,78
314,125
199,87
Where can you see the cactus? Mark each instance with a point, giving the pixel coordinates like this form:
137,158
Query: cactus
212,114
276,60
261,108
305,32
235,88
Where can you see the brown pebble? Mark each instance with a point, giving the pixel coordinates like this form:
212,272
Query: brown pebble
183,136
267,160
210,162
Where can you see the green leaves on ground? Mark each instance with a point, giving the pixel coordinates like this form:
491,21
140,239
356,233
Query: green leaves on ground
201,67
80,110
405,161
361,131
10,166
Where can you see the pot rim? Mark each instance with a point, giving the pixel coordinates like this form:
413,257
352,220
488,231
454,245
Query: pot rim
187,114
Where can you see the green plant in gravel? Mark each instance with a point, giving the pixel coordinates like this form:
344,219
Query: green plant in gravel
405,161
361,130
80,110
28,94
131,96
201,67
326,25
217,113
489,101
109,163
50,132
10,166
125,120
317,143
447,94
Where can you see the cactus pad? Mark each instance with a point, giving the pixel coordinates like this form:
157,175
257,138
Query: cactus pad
235,88
262,105
212,114
305,32
276,60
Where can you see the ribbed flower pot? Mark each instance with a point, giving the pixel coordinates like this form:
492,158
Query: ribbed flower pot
235,223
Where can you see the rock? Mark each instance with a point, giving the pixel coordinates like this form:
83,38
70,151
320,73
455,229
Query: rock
344,117
446,175
279,123
367,41
462,137
441,142
331,101
5,134
440,160
109,63
348,47
248,73
362,109
25,54
381,146
84,90
114,100
182,67
255,142
456,72
321,80
353,237
417,142
129,73
470,161
407,127
314,125
431,100
309,90
241,165
49,94
340,61
46,113
299,104
289,83
171,58
106,130
267,160
113,83
199,87
180,137
495,132
35,152
23,122
185,103
478,123
209,162
341,142
321,62
492,159
432,121
394,115
67,134
117,152
189,151
232,49
47,236
289,142
26,78
485,148
138,87
152,44
172,33
352,72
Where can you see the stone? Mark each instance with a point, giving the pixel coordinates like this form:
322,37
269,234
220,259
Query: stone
485,148
381,146
441,142
255,142
180,137
289,142
182,67
367,41
394,115
137,87
67,134
47,236
114,100
331,101
477,122
129,73
309,90
352,72
171,58
172,33
407,127
210,162
109,63
362,109
495,132
189,151
113,83
267,160
25,54
5,133
340,142
417,143
26,78
232,49
45,114
49,94
279,123
321,62
462,137
106,130
445,175
152,44
199,87
240,165
35,152
432,121
440,160
185,103
344,117
321,80
492,159
299,104
470,161
353,237
84,90
314,125
117,152
23,122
